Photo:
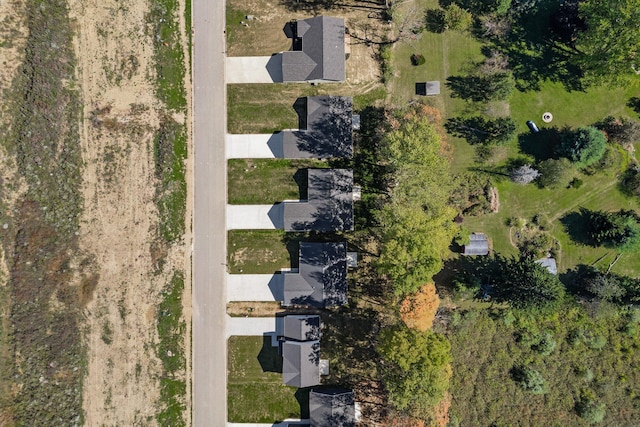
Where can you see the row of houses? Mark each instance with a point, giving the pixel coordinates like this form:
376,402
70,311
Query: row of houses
325,131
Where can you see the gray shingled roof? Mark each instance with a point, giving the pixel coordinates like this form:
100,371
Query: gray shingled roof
478,245
549,263
302,327
332,408
328,130
329,206
322,56
321,280
301,363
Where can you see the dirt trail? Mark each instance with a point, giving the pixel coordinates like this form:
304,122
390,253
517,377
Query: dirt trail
114,55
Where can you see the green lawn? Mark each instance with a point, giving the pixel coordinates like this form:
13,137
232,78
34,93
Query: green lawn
255,391
453,53
258,251
264,181
267,108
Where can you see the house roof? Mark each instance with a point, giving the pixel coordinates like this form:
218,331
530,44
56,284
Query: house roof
478,245
329,204
321,280
331,408
328,130
322,54
549,263
301,363
302,327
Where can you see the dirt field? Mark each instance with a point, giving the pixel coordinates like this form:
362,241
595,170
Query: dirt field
115,71
263,33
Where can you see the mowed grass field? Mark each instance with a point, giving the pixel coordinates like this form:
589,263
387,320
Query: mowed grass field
454,53
264,181
255,392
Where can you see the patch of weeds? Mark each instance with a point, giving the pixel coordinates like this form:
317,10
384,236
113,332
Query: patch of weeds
170,152
47,358
169,56
170,350
107,333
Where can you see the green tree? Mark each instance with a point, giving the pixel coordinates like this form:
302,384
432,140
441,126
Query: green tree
416,220
525,284
619,229
529,379
607,48
621,130
457,18
589,409
416,368
583,147
555,173
482,88
630,182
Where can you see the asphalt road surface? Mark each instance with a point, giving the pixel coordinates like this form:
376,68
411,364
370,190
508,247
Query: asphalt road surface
209,222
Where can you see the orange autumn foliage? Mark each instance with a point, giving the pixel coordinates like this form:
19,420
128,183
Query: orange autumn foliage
418,311
441,411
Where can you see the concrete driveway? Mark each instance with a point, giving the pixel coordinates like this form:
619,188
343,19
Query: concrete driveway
255,217
255,287
254,326
255,146
254,69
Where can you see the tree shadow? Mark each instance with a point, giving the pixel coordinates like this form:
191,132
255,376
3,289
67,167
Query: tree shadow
434,21
535,52
634,104
540,145
301,177
268,357
576,225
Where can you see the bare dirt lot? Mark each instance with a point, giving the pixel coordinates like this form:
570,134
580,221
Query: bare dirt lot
121,114
262,34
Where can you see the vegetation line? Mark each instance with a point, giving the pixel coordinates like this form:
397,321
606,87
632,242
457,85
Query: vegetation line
45,365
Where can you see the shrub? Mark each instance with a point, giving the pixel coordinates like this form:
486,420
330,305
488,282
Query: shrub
554,173
524,175
417,59
575,183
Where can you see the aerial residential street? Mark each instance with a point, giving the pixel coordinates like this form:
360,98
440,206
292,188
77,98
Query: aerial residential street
209,228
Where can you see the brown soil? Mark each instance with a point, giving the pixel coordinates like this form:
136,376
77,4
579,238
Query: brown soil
263,35
121,114
253,309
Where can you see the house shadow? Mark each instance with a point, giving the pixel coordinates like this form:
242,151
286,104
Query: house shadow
301,177
274,68
276,145
540,145
276,286
276,215
268,357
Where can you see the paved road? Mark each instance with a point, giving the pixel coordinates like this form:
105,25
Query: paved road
209,222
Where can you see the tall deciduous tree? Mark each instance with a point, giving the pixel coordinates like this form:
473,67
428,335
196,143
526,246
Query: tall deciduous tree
416,368
416,219
608,47
418,310
555,173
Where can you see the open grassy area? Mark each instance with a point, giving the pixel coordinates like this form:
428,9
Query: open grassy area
264,181
255,392
267,108
258,251
593,356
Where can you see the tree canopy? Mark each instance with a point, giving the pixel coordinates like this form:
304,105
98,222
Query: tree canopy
416,219
608,46
525,284
584,146
416,369
478,130
619,230
554,173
